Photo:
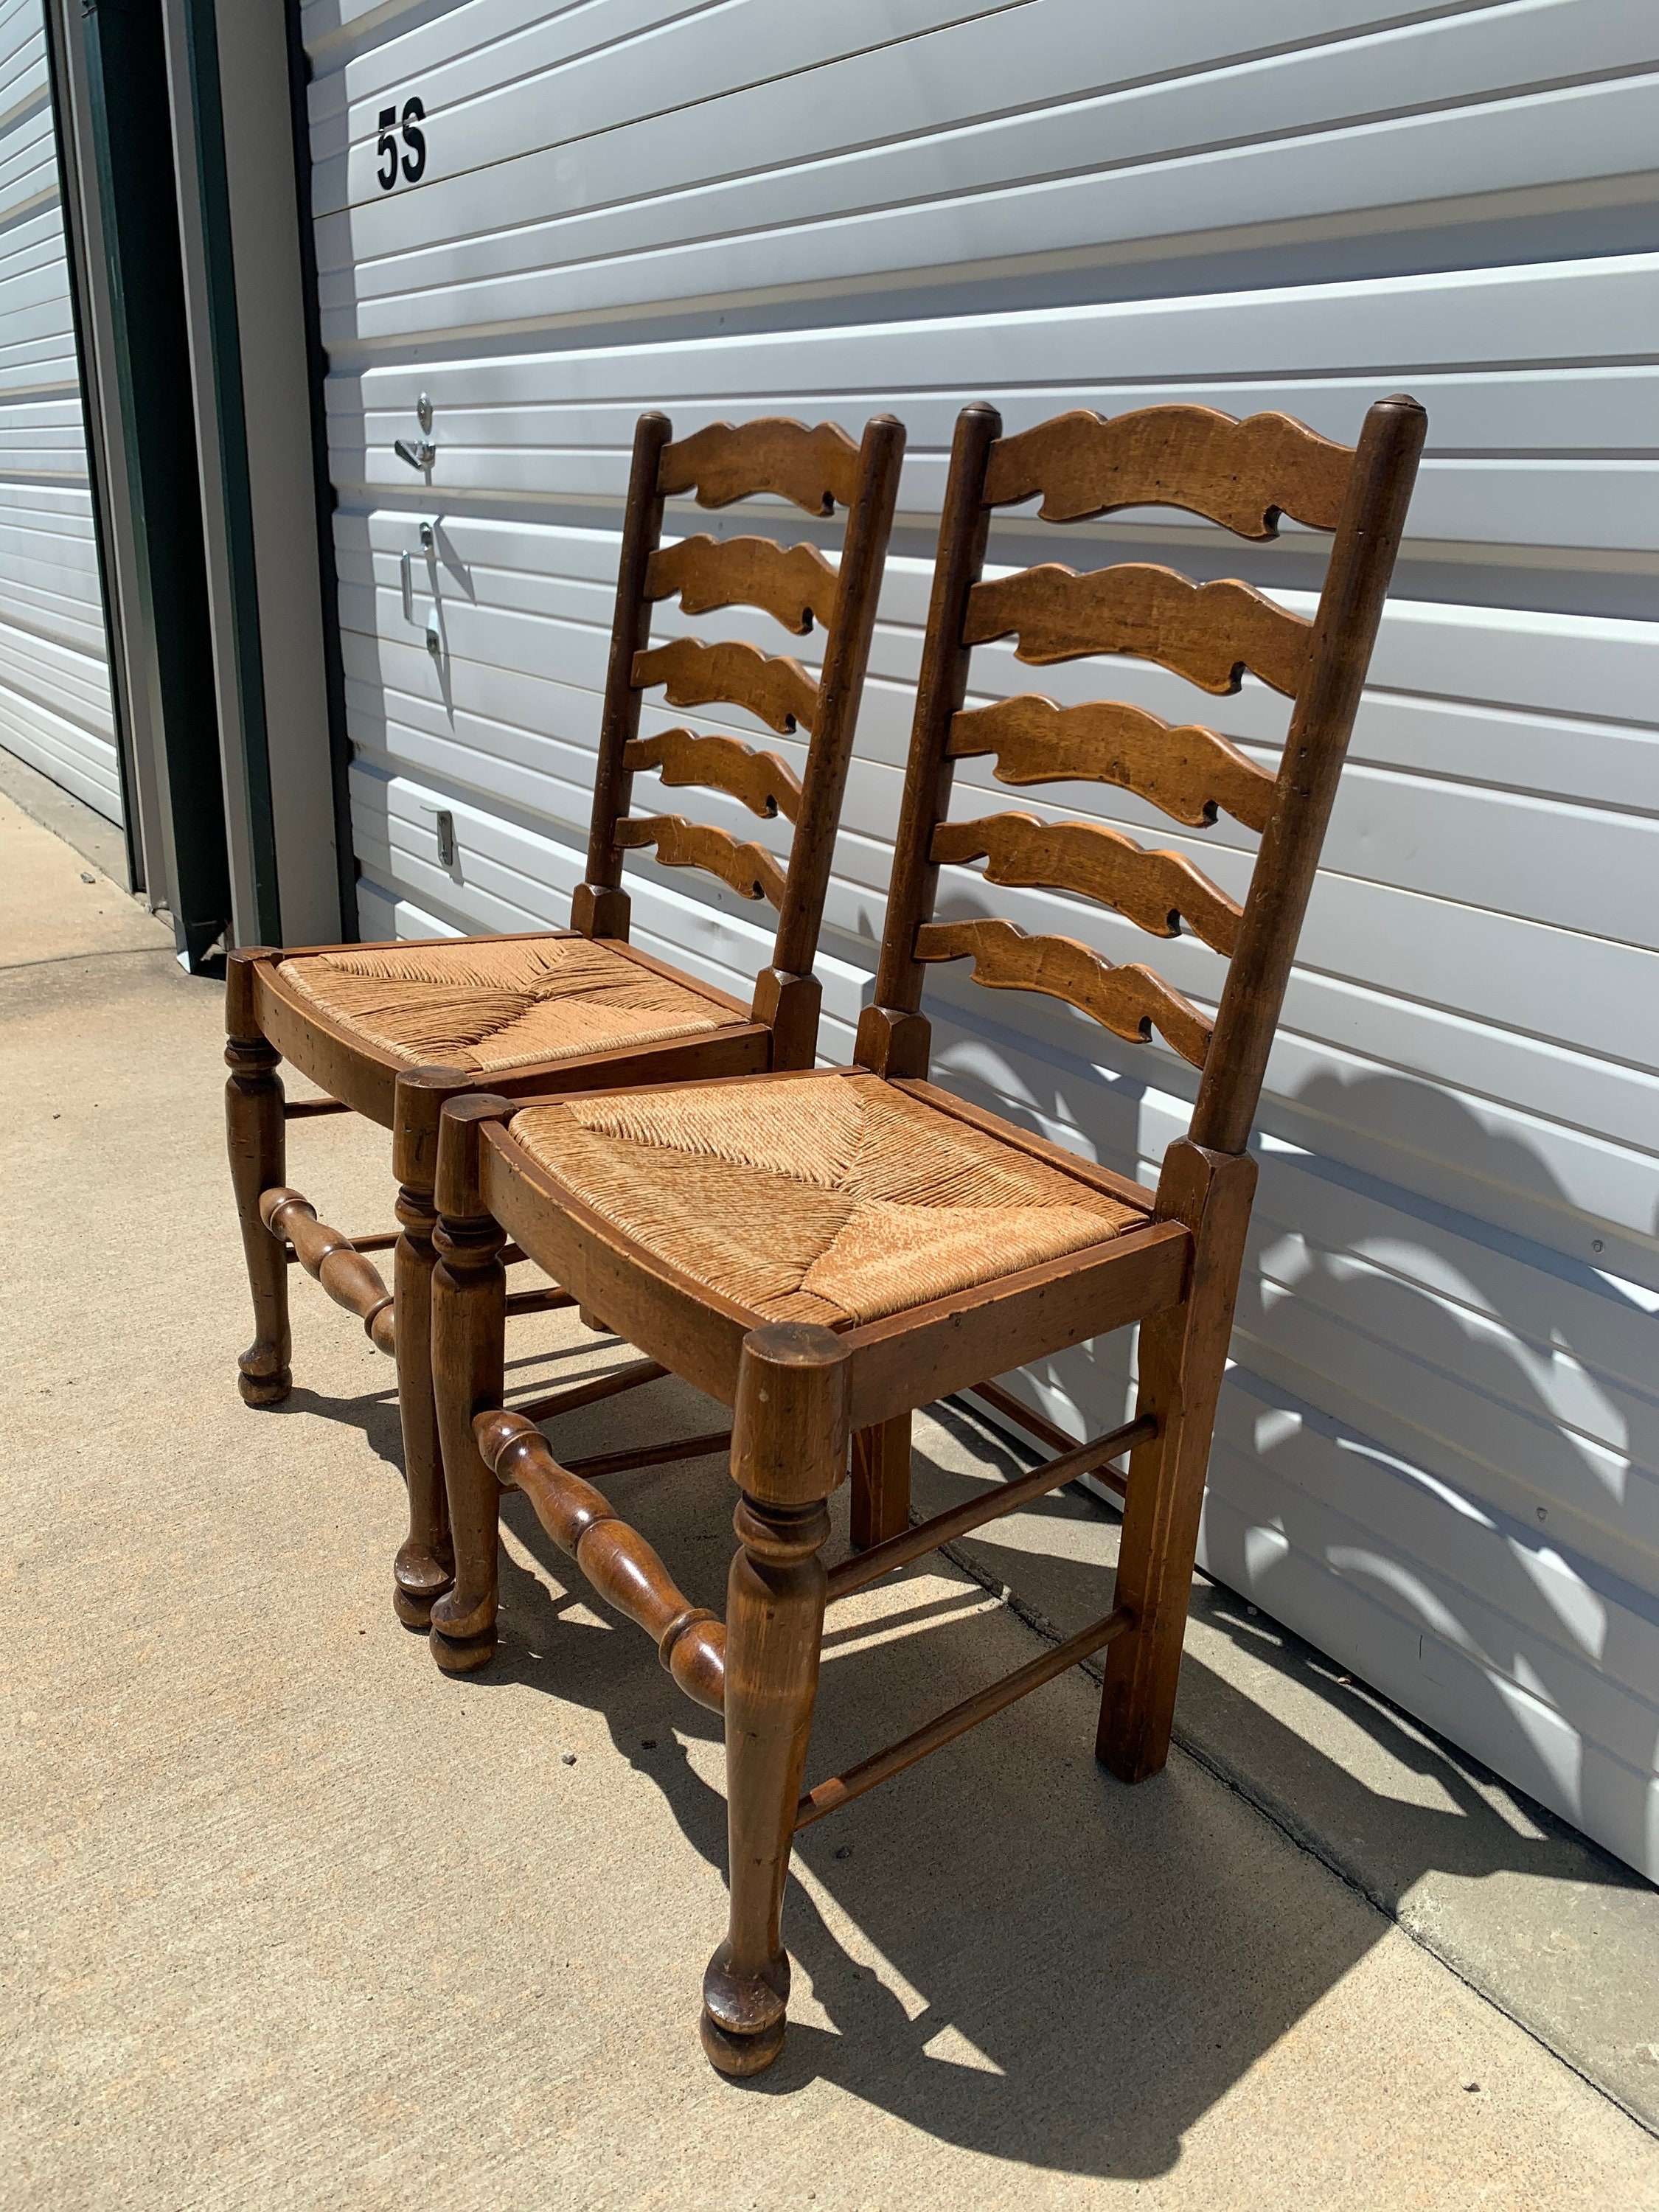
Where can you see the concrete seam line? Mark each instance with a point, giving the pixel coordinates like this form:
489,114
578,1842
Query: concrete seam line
72,959
1280,1818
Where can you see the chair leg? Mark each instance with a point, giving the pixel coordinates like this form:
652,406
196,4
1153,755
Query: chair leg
1184,1356
425,1566
257,1140
789,1450
468,1349
881,1482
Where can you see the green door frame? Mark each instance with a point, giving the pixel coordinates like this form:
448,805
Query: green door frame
168,633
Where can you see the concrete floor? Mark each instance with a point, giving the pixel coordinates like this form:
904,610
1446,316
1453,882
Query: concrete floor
295,1922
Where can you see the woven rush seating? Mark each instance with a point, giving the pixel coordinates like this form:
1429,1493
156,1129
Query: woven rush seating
489,1007
392,1031
826,1252
835,1199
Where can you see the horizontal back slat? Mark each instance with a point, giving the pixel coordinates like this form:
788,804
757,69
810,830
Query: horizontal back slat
1208,633
772,686
1130,1001
794,584
750,870
760,780
1188,772
1242,475
818,468
1155,890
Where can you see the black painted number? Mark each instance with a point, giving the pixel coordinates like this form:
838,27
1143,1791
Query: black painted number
413,160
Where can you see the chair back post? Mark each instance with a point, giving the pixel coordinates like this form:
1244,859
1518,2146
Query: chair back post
600,908
864,552
892,1036
1367,539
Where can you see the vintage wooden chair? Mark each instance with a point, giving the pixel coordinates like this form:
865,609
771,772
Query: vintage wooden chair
391,1030
827,1251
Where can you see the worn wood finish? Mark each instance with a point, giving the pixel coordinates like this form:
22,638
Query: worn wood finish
899,1549
469,1333
881,1766
1188,772
748,869
846,661
1156,891
789,1007
790,1436
881,1482
306,1109
793,584
424,1567
332,1259
841,1788
1244,475
910,1358
892,1038
600,906
256,1139
378,1240
1343,632
573,1395
1210,633
817,469
773,686
1038,1425
759,781
1182,1356
598,1464
532,1302
616,1559
1131,1000
267,1018
805,1398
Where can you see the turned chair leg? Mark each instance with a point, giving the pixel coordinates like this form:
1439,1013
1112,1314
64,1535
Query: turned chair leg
1182,1358
256,1135
789,1450
469,1340
881,1482
425,1566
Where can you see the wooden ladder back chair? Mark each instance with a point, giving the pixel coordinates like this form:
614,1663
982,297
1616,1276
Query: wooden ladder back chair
392,1030
828,1251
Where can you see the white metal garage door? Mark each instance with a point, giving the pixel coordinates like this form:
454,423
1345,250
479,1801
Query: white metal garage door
55,709
1437,1452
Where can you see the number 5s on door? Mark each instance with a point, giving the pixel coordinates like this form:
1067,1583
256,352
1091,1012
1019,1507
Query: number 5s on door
413,160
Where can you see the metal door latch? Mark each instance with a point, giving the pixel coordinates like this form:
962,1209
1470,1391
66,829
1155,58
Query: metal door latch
420,452
443,821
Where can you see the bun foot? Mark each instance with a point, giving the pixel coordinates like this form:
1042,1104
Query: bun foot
268,1389
462,1655
413,1608
418,1581
738,2056
743,2018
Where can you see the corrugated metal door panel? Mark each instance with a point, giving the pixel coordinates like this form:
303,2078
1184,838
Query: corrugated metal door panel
1439,1448
55,710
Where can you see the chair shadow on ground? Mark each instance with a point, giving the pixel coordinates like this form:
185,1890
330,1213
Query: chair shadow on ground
1072,1972
1015,1952
1463,1416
